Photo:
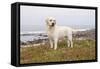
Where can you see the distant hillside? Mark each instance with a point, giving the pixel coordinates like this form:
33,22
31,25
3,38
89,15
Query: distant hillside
89,34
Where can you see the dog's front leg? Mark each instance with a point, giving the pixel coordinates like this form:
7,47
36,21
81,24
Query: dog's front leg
55,43
51,43
71,44
68,42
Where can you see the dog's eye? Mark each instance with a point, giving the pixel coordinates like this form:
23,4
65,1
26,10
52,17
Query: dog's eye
50,20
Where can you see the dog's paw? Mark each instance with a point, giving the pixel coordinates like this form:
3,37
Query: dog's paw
51,47
71,46
55,48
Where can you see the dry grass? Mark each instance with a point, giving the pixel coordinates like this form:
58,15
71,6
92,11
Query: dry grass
83,50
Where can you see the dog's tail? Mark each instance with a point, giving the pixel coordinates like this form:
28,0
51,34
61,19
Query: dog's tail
79,30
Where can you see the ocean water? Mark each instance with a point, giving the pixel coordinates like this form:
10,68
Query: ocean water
31,36
31,32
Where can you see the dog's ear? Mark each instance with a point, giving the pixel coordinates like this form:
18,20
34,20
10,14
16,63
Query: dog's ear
55,21
46,20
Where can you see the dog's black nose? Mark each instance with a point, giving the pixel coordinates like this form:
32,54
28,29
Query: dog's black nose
52,24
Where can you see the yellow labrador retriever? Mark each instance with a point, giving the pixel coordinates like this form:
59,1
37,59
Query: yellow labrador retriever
55,32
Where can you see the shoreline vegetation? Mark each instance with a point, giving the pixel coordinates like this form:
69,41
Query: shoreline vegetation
39,51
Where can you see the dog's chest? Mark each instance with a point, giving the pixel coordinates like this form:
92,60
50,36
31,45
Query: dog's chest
51,34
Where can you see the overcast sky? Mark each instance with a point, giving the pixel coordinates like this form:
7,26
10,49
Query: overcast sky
33,17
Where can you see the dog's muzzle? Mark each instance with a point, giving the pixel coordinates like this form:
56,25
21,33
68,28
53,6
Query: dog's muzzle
52,24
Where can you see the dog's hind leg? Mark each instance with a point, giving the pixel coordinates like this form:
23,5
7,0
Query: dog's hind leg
70,42
55,43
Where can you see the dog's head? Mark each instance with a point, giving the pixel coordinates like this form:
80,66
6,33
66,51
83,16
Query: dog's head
50,21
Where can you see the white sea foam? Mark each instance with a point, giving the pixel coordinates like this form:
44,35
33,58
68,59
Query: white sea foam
35,32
